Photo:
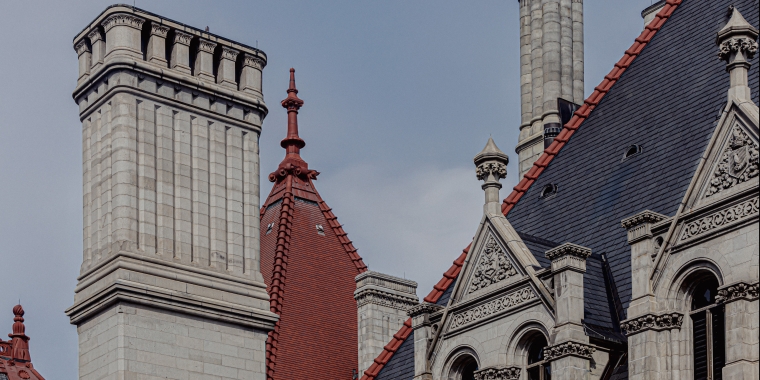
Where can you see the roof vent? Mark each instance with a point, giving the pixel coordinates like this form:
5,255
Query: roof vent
549,191
269,228
320,230
632,151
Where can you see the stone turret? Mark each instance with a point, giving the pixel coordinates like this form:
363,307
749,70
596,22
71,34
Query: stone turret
738,44
491,167
551,68
171,119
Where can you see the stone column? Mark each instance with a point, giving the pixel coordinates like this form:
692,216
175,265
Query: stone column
180,58
570,353
382,302
98,48
566,48
157,45
85,59
226,74
204,60
526,107
423,333
552,64
123,35
577,9
250,74
742,331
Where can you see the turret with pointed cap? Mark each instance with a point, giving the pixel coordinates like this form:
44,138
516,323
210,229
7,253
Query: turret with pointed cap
491,166
737,46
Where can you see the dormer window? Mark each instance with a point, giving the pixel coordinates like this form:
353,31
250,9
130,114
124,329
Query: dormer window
549,190
632,151
269,228
320,230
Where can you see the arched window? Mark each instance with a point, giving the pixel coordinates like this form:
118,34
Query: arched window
463,368
708,331
537,368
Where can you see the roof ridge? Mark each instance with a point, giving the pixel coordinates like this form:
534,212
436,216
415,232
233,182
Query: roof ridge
347,244
538,167
279,273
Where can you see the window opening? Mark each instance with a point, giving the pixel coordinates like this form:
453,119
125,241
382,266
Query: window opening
538,368
320,230
708,331
549,190
632,151
269,228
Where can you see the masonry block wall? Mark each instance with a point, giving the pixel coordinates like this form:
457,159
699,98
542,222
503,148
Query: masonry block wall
171,118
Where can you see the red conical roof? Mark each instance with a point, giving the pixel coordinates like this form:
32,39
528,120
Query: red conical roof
309,265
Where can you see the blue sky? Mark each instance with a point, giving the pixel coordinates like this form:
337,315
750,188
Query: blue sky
399,96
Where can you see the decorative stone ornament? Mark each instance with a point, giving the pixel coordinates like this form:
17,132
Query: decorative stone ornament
498,373
738,291
497,306
646,322
568,249
568,349
721,218
491,166
738,163
640,225
737,45
423,308
493,266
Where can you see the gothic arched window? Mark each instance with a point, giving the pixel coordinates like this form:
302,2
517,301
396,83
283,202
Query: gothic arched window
538,368
708,331
464,368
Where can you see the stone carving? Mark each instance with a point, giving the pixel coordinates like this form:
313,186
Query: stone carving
652,322
206,45
738,291
746,46
384,299
497,169
253,61
182,38
645,216
229,53
492,307
568,249
567,349
497,373
122,19
493,266
159,30
81,47
423,308
94,36
738,163
720,218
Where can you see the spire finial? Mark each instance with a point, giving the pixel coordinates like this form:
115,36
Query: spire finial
737,45
19,341
491,165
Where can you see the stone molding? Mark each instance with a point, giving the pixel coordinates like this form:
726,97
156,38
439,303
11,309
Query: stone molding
206,45
568,249
738,163
562,350
744,45
81,47
381,298
497,169
159,30
498,373
493,307
122,19
423,308
493,267
738,291
183,38
720,218
668,321
94,36
229,53
640,225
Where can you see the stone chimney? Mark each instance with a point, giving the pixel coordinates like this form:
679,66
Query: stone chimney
491,165
737,42
382,303
551,68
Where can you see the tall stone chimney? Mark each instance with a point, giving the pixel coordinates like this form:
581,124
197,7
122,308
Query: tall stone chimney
551,68
170,284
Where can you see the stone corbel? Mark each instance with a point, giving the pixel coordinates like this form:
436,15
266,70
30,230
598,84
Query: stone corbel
668,321
738,291
562,350
498,373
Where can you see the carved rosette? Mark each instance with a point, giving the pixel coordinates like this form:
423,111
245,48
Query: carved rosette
498,373
122,19
229,53
568,349
721,218
182,38
492,307
386,299
159,30
81,47
738,291
667,321
206,45
493,267
738,163
497,169
743,45
568,249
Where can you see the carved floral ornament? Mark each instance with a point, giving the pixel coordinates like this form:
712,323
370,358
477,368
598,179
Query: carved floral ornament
497,169
94,36
159,30
183,38
423,308
498,373
568,249
738,291
493,266
253,61
492,307
81,47
229,53
206,45
652,322
721,218
745,45
122,19
645,216
568,349
738,163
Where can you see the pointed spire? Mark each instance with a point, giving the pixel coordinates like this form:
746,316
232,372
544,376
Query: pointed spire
491,165
737,45
19,341
737,25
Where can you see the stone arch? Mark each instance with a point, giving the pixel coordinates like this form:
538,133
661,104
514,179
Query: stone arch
536,317
517,345
686,278
458,360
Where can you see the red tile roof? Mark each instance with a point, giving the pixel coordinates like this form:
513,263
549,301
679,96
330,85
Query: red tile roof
321,284
15,361
538,167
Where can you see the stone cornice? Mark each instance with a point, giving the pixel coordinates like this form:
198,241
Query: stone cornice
423,308
568,249
561,350
122,19
159,30
668,321
183,38
381,298
721,218
645,216
498,373
493,307
738,291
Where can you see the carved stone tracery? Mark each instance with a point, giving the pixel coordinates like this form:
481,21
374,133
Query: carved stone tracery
498,373
652,322
567,349
493,266
492,307
738,163
721,218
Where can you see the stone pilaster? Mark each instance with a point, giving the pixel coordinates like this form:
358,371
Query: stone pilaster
98,48
423,334
742,331
204,60
123,35
382,302
156,49
226,74
180,57
643,249
250,74
85,59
